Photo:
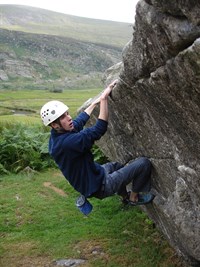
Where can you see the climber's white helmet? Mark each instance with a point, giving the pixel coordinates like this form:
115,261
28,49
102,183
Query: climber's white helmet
51,111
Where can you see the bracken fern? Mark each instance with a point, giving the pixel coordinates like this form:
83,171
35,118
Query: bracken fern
22,146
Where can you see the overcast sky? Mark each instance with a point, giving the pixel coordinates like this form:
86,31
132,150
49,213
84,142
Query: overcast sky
116,10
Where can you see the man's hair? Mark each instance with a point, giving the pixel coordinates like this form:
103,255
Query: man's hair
61,129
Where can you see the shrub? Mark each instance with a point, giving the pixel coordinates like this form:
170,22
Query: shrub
98,155
56,90
22,146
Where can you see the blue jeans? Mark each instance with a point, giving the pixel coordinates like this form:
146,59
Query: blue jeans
117,176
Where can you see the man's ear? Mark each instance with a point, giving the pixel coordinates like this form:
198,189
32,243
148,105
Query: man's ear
55,125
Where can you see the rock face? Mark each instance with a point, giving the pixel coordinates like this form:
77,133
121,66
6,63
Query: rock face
155,112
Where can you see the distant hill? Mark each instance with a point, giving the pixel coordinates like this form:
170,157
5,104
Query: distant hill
37,20
41,49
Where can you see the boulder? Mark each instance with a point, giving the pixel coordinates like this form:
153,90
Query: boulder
187,8
155,112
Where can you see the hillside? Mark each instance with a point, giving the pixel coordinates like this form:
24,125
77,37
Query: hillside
41,49
37,20
34,61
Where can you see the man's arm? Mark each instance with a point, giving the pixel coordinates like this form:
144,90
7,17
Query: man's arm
91,107
103,114
103,99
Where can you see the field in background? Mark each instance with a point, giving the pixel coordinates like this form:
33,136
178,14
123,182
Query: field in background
26,104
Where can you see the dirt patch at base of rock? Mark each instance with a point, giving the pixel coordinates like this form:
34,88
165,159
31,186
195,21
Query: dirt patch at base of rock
55,189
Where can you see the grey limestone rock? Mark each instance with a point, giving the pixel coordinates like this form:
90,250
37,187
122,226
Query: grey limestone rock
68,262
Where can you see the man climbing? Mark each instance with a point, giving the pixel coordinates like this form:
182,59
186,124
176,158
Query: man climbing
70,145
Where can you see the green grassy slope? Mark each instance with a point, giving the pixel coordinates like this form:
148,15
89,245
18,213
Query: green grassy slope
36,61
41,49
36,20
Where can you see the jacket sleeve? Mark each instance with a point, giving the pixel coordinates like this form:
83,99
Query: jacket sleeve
83,141
80,121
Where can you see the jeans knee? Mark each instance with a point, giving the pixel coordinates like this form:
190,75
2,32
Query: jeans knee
146,163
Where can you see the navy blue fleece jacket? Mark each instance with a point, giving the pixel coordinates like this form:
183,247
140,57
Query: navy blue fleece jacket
71,152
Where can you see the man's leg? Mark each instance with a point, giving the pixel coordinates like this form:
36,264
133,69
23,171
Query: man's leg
138,172
112,167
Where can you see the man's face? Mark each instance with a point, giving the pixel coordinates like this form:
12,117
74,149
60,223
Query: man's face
65,121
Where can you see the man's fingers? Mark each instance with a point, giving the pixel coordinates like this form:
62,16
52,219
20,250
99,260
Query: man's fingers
114,83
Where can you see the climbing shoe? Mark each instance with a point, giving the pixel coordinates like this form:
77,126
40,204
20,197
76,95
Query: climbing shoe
143,199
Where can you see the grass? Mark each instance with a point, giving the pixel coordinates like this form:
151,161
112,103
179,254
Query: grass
33,100
20,118
39,225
